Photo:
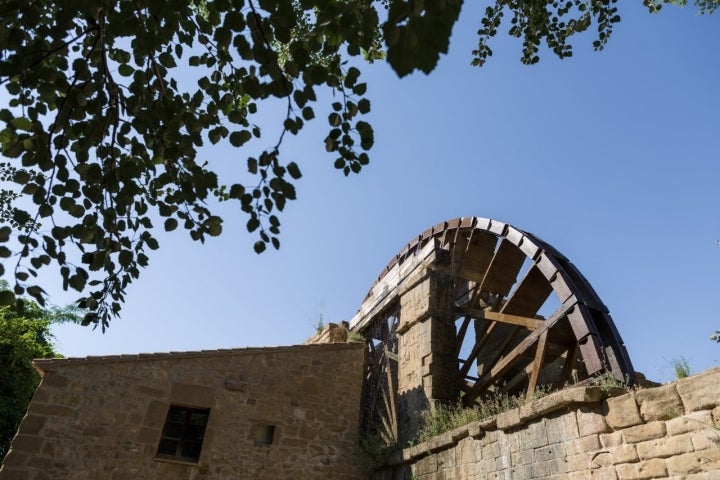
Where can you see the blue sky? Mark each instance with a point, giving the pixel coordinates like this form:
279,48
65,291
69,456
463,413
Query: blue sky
611,157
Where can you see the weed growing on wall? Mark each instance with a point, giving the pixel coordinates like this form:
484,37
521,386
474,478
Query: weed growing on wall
448,417
682,368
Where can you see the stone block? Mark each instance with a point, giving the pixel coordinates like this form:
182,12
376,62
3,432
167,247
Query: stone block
706,439
642,433
50,410
32,424
534,434
583,445
642,470
156,413
700,476
578,463
28,443
624,454
690,422
426,466
468,452
695,462
622,412
522,457
590,421
474,430
15,474
601,459
509,419
192,395
54,380
665,447
562,428
699,392
611,439
560,400
549,452
603,473
15,458
659,403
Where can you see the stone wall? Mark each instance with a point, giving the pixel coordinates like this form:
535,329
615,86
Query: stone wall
669,431
101,418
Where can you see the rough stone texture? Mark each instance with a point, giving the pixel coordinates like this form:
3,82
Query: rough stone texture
659,403
426,342
630,437
101,418
623,412
699,392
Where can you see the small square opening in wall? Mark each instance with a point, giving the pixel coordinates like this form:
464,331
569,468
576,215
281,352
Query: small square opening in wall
263,434
183,433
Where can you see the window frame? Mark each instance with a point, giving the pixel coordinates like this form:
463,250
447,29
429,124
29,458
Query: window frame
185,436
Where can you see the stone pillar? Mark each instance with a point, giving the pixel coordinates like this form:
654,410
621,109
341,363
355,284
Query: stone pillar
426,344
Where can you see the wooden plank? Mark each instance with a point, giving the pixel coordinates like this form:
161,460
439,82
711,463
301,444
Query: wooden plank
517,320
479,254
567,369
530,295
391,393
503,269
537,364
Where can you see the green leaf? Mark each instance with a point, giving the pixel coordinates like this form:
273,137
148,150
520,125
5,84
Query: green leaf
259,247
334,119
294,170
7,297
126,70
21,123
170,224
252,224
5,232
308,113
364,106
238,139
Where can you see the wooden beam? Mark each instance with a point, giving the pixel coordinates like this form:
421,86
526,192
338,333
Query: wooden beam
537,364
474,352
506,362
517,320
502,272
530,294
391,394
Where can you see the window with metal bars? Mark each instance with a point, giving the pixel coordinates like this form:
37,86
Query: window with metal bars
183,433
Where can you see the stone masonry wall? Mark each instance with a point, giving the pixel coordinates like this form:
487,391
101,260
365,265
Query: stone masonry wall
101,418
426,346
671,431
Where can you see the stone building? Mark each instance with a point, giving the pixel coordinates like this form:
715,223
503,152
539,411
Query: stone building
256,413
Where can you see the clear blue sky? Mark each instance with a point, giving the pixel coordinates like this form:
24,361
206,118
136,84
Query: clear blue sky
611,157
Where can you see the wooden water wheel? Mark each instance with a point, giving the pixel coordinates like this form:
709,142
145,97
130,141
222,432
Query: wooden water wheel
523,316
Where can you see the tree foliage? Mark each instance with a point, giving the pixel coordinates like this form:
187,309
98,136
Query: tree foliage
24,335
110,104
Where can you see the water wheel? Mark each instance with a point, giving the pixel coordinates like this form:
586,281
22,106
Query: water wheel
521,315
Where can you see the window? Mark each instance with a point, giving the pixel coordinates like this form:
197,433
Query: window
183,433
263,434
